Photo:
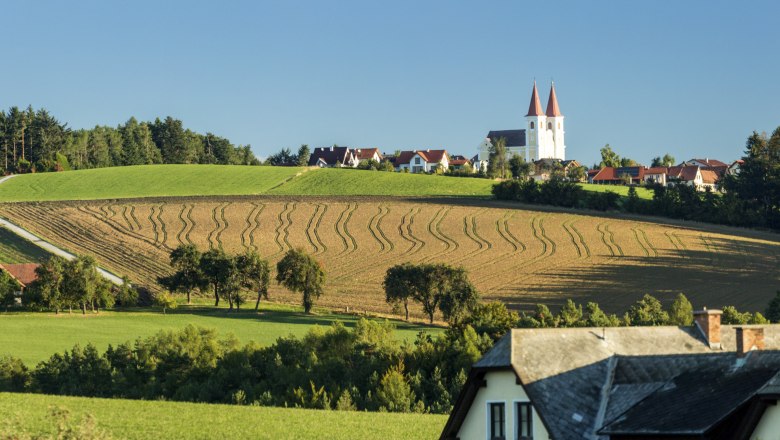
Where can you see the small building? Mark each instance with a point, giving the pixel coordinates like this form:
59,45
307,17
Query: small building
422,161
614,176
705,381
733,169
656,175
328,157
24,274
362,154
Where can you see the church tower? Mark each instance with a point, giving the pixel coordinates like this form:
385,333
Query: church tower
535,129
557,147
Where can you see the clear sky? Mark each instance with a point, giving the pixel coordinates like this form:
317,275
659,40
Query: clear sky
692,78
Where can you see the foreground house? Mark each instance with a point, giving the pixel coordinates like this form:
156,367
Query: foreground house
362,154
422,161
614,176
23,274
706,381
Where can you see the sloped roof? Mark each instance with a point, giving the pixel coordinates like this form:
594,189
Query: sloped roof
710,162
22,273
366,153
535,108
581,379
514,138
330,155
656,170
709,176
430,156
552,104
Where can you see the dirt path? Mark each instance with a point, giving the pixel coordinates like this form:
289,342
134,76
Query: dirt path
3,179
34,239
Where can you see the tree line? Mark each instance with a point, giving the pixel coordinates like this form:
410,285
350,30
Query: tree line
229,276
35,141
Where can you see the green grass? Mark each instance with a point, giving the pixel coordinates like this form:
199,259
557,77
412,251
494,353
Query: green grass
145,181
622,190
34,337
129,419
16,250
338,182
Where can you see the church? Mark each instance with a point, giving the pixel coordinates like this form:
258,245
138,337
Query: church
542,137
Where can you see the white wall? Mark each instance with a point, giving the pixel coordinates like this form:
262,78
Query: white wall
769,426
501,387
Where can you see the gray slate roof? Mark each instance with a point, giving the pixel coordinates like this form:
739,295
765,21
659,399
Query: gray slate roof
580,379
514,138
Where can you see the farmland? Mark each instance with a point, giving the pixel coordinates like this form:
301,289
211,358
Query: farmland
34,337
521,257
135,419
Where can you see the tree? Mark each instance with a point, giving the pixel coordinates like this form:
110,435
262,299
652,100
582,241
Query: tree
497,159
126,295
595,317
577,174
458,295
217,271
609,158
8,289
300,272
399,285
666,161
186,261
254,274
80,283
303,155
681,311
394,393
165,301
570,315
492,319
519,167
773,309
648,311
46,290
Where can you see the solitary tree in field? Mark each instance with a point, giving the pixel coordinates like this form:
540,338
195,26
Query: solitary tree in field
216,268
399,284
254,274
300,272
185,260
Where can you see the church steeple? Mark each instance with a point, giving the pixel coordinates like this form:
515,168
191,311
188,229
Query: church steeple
535,109
552,103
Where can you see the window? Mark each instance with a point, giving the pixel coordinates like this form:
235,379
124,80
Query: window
524,425
497,421
416,160
559,126
532,125
549,125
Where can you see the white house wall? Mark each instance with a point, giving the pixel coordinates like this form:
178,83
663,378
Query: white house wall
768,427
501,387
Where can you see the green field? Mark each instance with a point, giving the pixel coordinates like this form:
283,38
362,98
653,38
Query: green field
622,190
16,250
345,182
34,337
131,419
145,181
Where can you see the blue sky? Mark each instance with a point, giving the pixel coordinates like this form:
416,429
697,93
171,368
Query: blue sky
693,78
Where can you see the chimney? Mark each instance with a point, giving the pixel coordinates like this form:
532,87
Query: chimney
748,339
708,322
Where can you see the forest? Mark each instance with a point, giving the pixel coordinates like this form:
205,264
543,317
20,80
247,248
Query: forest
35,141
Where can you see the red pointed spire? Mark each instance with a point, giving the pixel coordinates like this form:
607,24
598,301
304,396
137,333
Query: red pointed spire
535,109
552,104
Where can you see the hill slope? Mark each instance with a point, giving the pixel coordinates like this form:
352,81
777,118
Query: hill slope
138,419
521,257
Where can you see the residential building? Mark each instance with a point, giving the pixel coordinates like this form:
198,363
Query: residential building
362,154
327,157
705,381
422,161
458,162
542,138
619,175
24,274
545,168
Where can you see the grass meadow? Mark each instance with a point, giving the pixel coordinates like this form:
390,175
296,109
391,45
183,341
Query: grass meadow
130,419
16,250
34,337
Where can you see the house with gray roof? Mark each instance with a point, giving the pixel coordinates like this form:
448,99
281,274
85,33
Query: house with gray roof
706,381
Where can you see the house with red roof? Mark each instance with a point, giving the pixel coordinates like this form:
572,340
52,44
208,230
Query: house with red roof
617,175
422,161
362,154
23,274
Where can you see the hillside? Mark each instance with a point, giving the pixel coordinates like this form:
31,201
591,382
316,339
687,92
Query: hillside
136,419
16,250
34,337
521,257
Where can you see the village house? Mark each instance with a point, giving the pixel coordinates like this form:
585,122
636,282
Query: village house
458,162
693,175
706,381
23,274
545,168
619,175
328,157
422,161
362,154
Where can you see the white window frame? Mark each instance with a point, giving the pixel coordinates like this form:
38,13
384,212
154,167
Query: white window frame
515,425
489,419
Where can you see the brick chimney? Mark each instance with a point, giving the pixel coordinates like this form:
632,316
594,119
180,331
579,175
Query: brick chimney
748,339
708,322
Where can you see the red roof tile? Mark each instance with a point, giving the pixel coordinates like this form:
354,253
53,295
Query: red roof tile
656,170
552,104
535,108
23,273
709,176
367,153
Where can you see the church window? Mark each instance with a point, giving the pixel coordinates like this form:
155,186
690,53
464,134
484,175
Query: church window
549,125
532,125
559,126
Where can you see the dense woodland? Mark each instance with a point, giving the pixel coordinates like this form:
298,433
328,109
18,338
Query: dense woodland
34,140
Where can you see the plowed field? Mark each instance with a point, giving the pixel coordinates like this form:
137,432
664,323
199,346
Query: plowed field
518,256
